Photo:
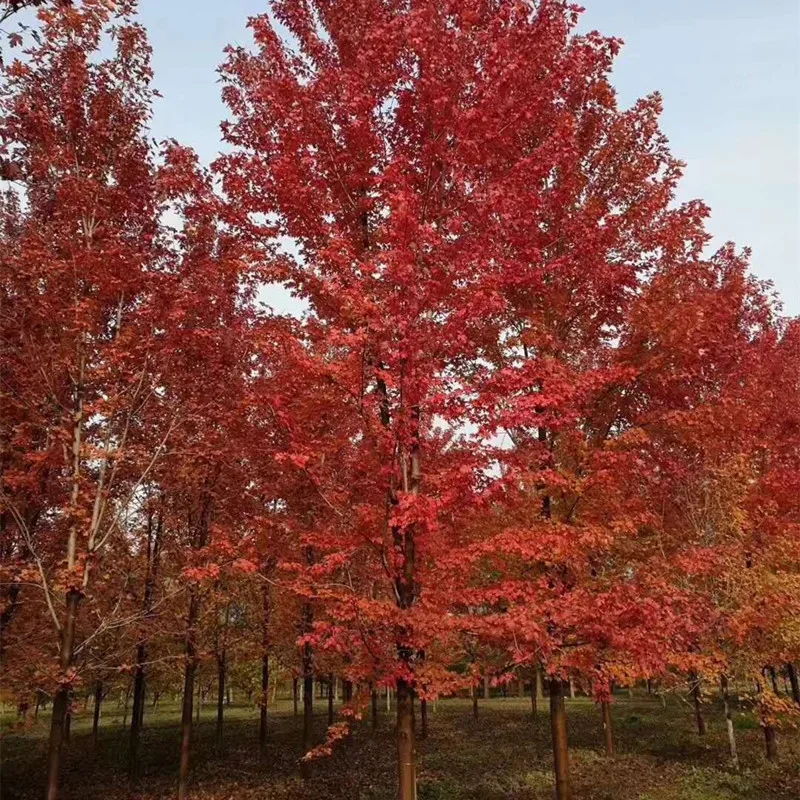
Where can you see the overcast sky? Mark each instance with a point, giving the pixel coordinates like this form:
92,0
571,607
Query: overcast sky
729,71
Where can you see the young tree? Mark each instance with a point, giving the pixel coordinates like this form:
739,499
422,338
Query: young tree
82,282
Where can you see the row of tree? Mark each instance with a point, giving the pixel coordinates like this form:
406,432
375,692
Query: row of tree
521,420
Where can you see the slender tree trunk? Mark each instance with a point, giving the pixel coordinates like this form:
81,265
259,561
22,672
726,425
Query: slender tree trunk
608,731
698,712
406,756
98,700
137,718
308,691
537,677
136,714
729,723
262,726
773,676
265,648
221,675
534,693
61,699
571,689
558,727
474,691
388,699
374,708
486,689
423,709
188,694
331,697
791,671
771,742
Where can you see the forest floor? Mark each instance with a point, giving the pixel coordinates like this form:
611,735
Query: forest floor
503,755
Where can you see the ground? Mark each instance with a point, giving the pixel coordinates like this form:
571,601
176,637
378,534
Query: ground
503,755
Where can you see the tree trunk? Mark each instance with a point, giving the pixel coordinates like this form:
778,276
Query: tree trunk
388,699
308,691
486,689
771,742
374,708
406,756
698,713
774,678
571,689
608,731
98,700
188,694
558,727
423,709
475,702
729,724
262,727
221,675
137,717
794,683
61,699
138,708
534,693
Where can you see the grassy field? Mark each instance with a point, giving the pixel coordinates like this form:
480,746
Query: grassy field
502,755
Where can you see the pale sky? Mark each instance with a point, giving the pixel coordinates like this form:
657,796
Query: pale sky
729,71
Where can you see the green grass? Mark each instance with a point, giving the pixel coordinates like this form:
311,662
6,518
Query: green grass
503,755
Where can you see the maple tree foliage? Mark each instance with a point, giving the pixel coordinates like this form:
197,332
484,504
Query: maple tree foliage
528,423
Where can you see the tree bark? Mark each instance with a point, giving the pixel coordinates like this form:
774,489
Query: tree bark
221,675
475,702
308,691
61,699
265,648
423,709
374,708
188,694
698,712
535,692
608,731
138,709
558,728
793,682
729,723
98,700
771,742
406,756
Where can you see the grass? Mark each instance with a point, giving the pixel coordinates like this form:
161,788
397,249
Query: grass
503,755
